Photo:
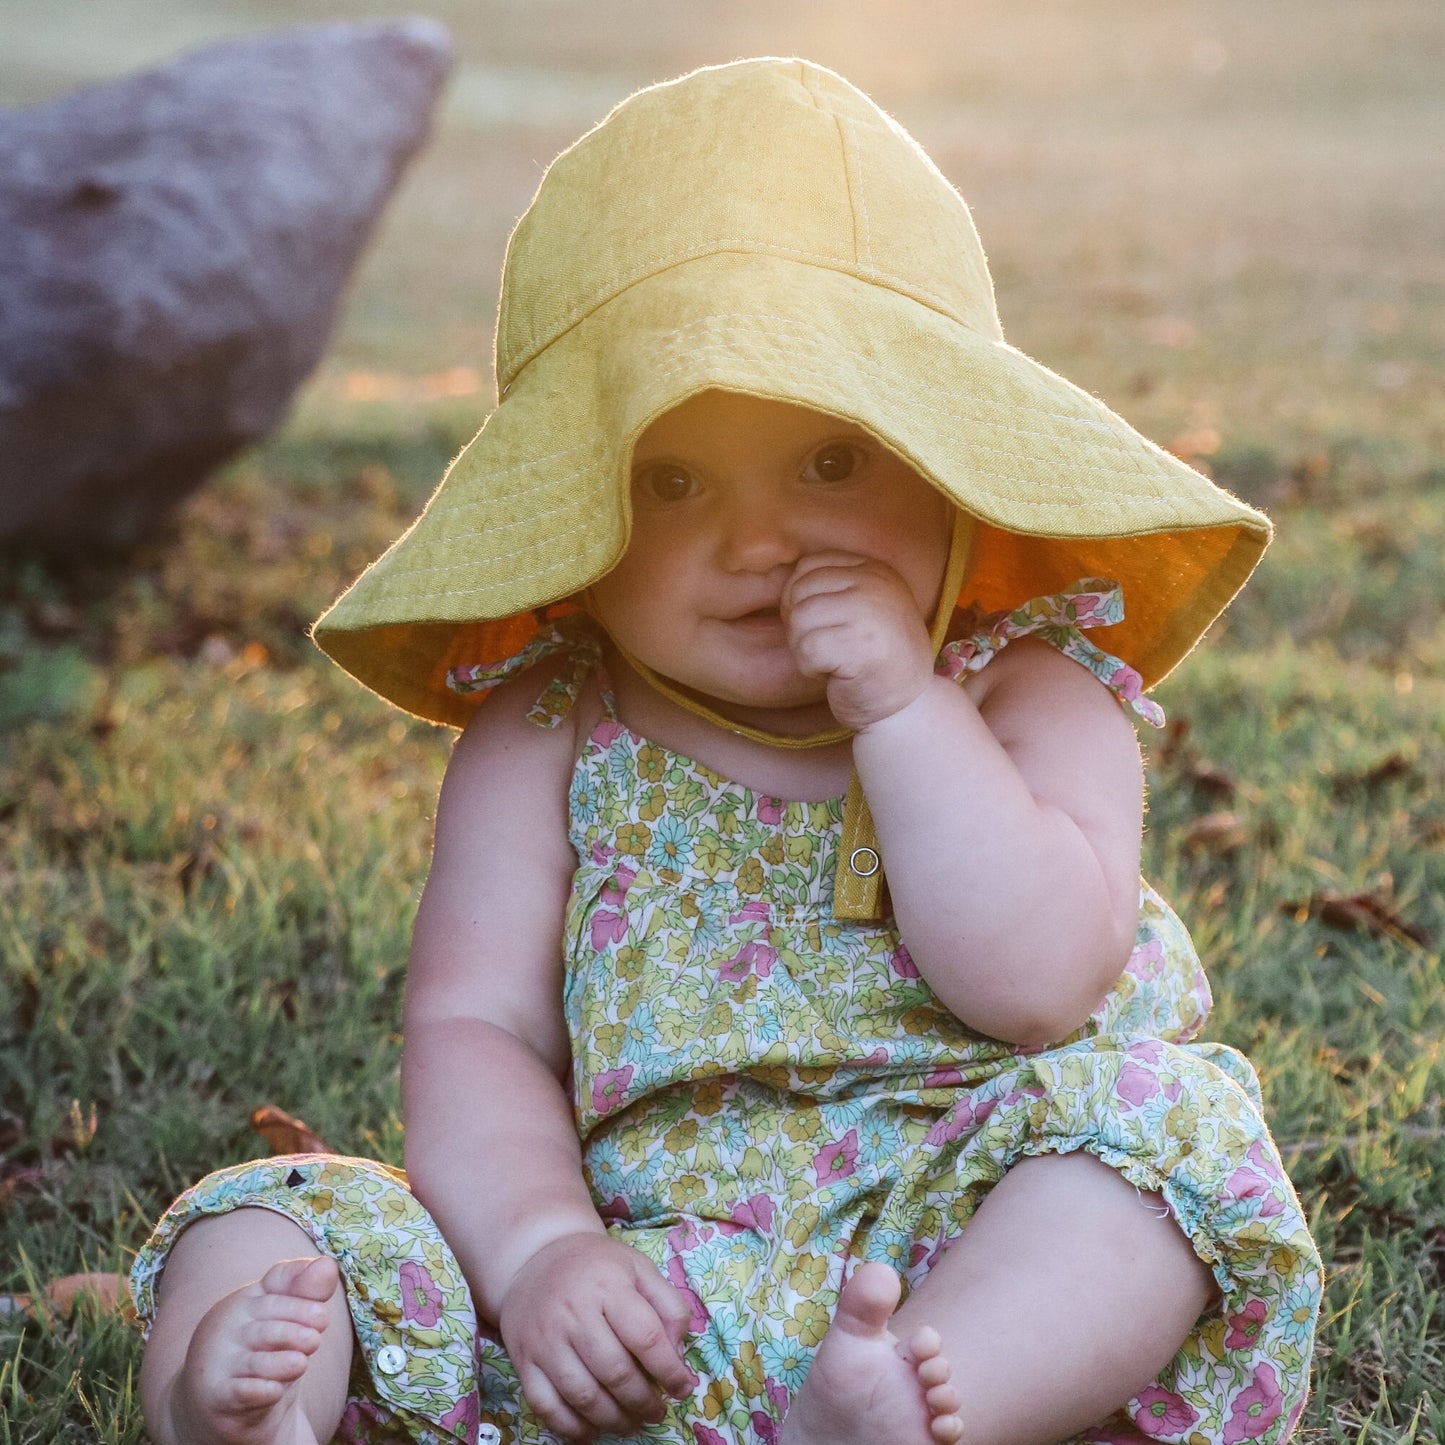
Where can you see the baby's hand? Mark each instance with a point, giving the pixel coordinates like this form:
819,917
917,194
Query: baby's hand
593,1329
853,621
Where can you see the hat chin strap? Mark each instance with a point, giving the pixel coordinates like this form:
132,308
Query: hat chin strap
858,881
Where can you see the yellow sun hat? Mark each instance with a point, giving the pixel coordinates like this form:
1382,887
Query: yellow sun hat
764,227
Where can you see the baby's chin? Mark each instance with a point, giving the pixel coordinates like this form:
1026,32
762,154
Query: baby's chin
797,711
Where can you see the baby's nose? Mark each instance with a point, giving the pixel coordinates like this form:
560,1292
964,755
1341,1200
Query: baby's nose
758,536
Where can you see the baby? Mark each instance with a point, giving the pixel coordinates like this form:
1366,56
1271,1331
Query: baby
770,576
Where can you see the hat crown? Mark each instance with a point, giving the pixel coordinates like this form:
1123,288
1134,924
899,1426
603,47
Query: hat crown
778,157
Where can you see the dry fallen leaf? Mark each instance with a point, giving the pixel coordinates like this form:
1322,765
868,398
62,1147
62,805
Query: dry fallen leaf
285,1135
1220,833
62,1295
1370,913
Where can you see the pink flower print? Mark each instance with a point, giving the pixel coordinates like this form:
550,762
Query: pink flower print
1254,1410
607,928
964,1115
777,1395
902,963
770,810
1260,1155
755,1213
421,1300
463,1419
1126,682
757,958
943,1078
615,889
706,1435
607,733
1148,961
609,1088
1245,1184
697,1311
1244,1327
765,1427
755,910
1136,1085
837,1160
617,1208
1162,1412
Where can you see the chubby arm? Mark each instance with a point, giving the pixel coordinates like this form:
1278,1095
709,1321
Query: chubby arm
1009,815
1009,811
491,1141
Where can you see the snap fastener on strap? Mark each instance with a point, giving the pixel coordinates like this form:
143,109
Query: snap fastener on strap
391,1359
863,861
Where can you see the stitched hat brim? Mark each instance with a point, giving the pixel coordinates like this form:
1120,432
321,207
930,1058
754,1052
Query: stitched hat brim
1063,487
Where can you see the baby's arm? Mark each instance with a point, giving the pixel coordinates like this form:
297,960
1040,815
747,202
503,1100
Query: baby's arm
491,1141
1009,811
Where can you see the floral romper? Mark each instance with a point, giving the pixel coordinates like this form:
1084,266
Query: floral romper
767,1095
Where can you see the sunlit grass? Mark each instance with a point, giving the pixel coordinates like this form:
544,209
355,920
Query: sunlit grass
1222,217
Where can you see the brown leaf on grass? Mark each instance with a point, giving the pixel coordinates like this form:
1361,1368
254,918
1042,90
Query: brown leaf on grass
1370,913
1218,833
1397,765
78,1131
1178,755
285,1135
62,1295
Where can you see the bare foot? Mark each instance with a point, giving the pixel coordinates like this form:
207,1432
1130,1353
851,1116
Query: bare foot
865,1386
241,1383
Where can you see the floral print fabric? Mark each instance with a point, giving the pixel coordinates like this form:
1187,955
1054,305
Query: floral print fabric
766,1095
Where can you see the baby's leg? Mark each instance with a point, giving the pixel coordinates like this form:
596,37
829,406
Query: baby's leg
252,1340
1067,1293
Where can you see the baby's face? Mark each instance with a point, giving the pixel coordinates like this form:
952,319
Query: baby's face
729,494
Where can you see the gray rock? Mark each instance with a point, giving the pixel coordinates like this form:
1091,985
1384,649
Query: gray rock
172,249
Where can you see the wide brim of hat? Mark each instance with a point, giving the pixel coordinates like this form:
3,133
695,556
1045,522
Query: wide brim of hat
537,506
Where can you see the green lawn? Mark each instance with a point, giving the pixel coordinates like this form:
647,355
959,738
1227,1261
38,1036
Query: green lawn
1225,217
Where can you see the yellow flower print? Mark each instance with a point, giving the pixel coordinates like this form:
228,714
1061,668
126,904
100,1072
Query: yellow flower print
809,1322
803,1225
686,1190
715,1401
726,822
682,1135
652,805
803,1125
808,1274
705,1157
772,850
752,1165
1281,1260
609,1039
709,854
396,1209
800,849
634,839
719,1019
321,1201
815,1075
750,877
1211,1336
707,1098
652,762
748,1369
820,817
630,959
387,1312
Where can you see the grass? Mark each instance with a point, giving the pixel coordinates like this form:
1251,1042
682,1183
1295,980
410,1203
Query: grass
211,842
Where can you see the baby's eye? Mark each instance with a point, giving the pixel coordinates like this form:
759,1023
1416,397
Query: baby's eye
664,482
835,462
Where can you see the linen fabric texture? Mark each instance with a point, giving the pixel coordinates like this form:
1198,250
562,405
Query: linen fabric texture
764,227
767,1095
